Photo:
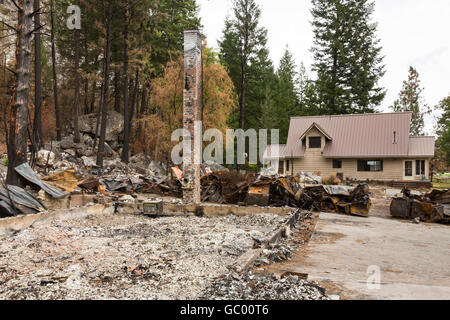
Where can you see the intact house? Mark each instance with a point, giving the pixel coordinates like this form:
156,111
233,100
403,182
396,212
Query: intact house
366,146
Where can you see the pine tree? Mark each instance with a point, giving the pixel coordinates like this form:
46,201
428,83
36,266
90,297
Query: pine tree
286,96
243,51
347,56
410,100
169,20
443,130
301,83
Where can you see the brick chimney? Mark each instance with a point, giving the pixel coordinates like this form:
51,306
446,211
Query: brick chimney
192,116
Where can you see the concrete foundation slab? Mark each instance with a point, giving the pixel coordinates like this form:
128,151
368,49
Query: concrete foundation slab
413,259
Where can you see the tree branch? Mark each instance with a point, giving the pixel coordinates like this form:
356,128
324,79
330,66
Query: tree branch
11,27
10,70
16,5
38,28
35,11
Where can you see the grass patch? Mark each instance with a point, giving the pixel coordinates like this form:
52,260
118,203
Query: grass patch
441,185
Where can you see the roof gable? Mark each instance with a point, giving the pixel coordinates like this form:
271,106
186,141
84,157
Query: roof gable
315,125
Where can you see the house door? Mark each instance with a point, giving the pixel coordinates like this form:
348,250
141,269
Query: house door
408,175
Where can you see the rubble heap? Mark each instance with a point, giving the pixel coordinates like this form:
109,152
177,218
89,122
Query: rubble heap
115,256
262,287
238,188
431,207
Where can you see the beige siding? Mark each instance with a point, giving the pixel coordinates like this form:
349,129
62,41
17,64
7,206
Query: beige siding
393,169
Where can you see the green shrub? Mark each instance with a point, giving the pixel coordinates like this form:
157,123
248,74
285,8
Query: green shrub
5,161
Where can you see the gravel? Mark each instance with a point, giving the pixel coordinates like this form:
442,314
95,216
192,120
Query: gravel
129,257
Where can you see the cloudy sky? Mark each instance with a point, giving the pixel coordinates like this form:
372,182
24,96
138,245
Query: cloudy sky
412,32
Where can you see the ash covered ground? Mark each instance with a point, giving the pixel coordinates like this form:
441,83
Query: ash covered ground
125,256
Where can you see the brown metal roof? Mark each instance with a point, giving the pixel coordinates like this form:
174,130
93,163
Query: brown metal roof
421,147
361,136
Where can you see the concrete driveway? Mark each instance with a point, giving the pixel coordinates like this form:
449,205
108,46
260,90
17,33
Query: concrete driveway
413,260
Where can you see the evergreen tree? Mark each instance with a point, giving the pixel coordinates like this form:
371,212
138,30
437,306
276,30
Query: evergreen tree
347,56
410,100
286,96
166,30
243,51
443,131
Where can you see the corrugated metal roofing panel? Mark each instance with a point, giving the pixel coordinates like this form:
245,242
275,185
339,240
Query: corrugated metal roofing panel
365,135
421,147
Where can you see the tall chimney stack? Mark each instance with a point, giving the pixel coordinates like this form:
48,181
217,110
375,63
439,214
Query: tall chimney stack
192,114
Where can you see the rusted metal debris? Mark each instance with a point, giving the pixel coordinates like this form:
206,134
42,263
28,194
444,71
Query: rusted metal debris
66,180
19,201
336,199
15,200
27,172
431,207
235,188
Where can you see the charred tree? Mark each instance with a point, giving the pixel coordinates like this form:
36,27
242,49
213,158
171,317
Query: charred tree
76,106
126,110
55,79
134,96
37,124
18,123
104,113
117,89
92,106
144,99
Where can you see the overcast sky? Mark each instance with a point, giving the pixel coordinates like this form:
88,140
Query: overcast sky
412,32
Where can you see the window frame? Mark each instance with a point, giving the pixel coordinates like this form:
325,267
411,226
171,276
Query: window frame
366,167
407,172
420,167
314,138
337,164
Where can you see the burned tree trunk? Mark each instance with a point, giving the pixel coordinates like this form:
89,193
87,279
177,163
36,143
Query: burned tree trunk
134,96
116,89
37,125
18,124
86,80
55,80
101,145
126,110
144,99
76,106
92,106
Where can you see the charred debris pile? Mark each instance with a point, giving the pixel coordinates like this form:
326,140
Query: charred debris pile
74,175
430,207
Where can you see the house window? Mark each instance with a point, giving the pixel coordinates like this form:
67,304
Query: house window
315,142
370,165
287,165
337,164
281,167
408,168
420,167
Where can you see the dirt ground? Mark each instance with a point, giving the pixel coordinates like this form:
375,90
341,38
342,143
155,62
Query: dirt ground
413,259
125,256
